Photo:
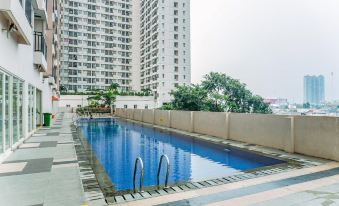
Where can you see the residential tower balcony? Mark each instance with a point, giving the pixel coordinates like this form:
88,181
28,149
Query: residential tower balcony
18,20
40,51
40,9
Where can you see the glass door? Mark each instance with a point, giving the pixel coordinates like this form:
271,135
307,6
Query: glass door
7,115
30,114
15,112
1,112
38,108
20,105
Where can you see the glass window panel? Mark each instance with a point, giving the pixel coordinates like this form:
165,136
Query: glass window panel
29,109
7,145
1,112
20,105
15,110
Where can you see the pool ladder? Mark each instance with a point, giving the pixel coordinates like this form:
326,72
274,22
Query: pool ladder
139,160
167,170
135,174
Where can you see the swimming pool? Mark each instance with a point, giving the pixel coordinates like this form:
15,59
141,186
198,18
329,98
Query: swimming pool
117,143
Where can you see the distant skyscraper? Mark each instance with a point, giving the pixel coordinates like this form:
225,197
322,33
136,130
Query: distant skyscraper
314,89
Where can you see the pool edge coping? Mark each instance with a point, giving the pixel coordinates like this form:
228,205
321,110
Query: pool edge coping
292,162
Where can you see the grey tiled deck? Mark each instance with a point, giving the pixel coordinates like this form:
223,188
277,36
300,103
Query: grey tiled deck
51,175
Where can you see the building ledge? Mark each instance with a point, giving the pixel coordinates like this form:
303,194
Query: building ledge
40,61
15,14
40,9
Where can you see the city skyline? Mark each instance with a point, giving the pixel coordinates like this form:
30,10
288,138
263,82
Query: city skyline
269,45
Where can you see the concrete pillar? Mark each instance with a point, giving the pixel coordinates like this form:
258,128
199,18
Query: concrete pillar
169,117
289,145
227,125
153,111
142,115
192,122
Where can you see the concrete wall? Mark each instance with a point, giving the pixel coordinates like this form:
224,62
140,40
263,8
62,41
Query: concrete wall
182,120
162,118
313,136
317,136
267,130
141,102
129,113
148,116
138,115
210,123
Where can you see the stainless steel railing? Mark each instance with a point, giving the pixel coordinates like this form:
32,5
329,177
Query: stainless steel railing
167,170
141,174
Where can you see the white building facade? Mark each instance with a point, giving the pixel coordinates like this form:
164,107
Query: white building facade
139,44
69,103
164,46
25,94
96,44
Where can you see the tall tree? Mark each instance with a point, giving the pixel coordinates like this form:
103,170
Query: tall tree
190,98
218,93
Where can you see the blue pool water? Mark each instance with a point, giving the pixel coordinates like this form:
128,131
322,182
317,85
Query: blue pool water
118,143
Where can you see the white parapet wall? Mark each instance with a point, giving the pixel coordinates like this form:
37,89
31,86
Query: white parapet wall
308,135
317,136
71,102
182,120
267,130
209,123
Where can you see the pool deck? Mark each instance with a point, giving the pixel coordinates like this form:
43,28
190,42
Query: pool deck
46,170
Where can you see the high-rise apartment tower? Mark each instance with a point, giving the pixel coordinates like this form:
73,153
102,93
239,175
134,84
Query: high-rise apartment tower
164,46
96,44
314,89
139,44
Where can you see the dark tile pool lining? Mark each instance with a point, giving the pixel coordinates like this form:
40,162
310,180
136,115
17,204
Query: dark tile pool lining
96,180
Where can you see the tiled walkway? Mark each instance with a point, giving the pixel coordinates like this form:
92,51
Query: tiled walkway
317,185
44,170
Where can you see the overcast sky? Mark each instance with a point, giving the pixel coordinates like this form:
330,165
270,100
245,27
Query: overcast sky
267,44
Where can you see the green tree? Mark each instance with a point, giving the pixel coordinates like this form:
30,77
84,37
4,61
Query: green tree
104,97
306,105
218,93
114,86
189,98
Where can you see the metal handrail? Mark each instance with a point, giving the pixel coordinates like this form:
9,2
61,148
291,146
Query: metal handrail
167,171
141,175
40,43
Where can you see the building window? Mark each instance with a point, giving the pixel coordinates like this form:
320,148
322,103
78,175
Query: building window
125,106
1,113
28,10
135,106
146,106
